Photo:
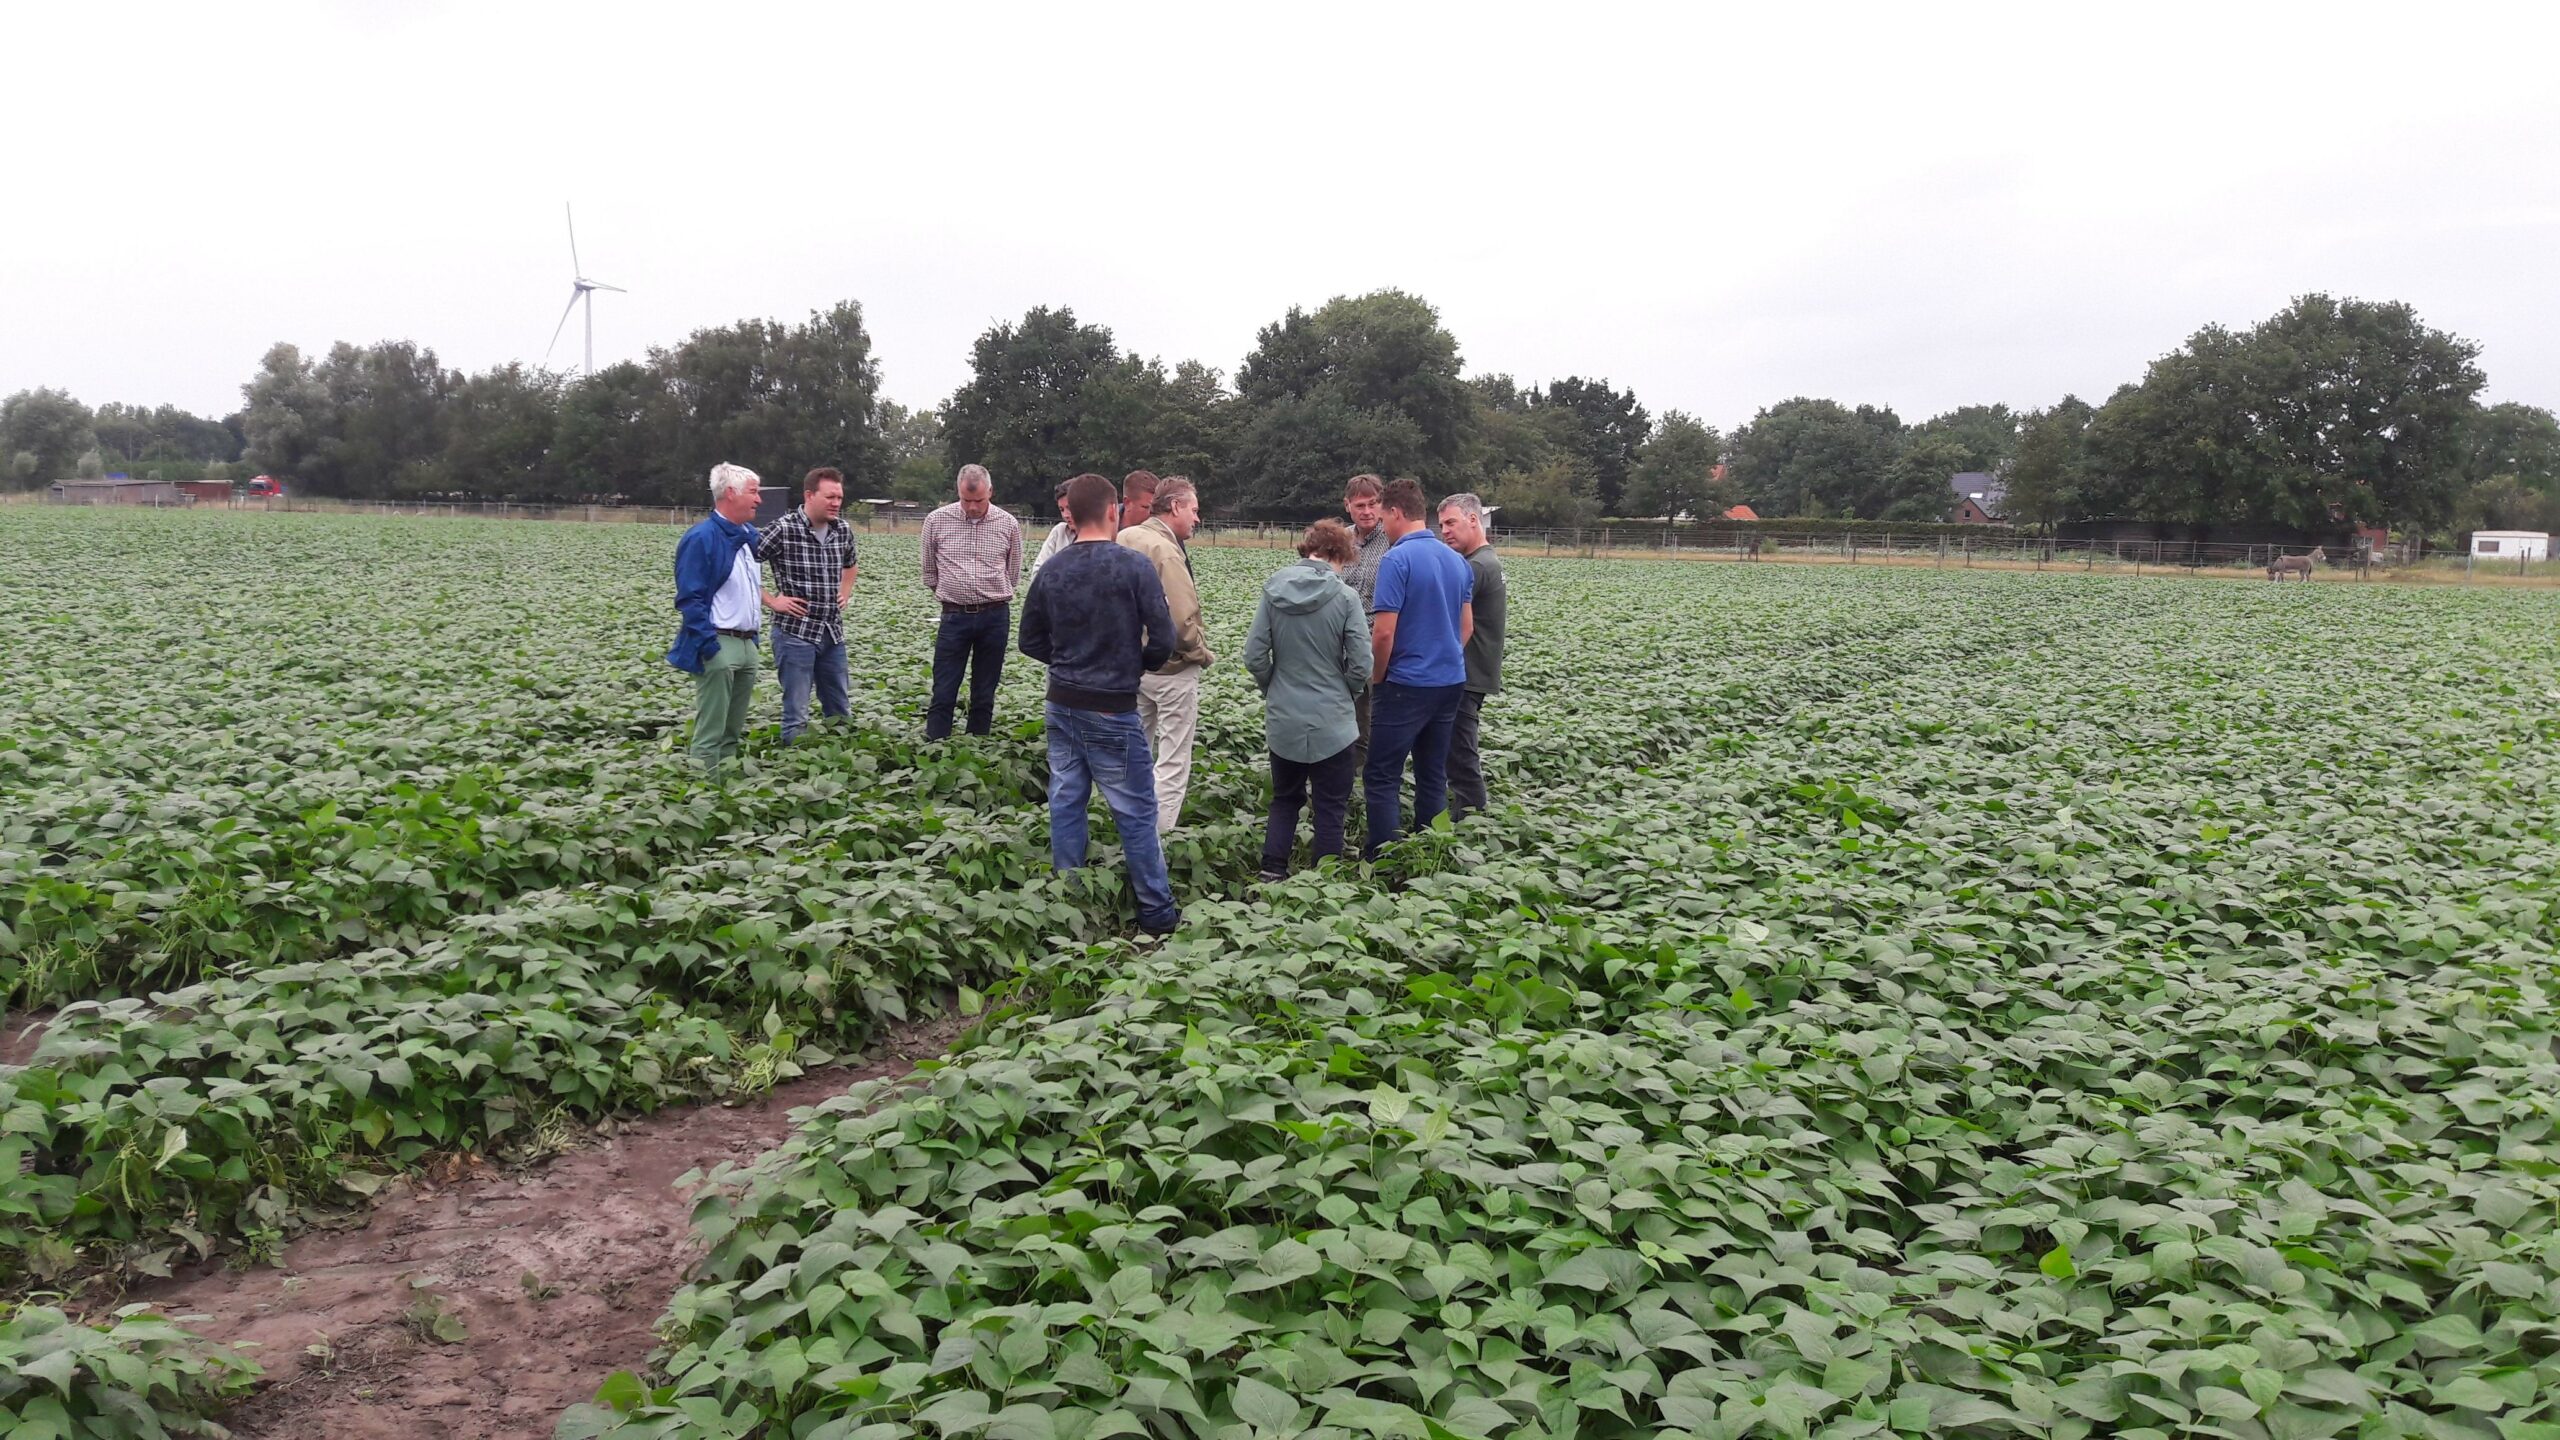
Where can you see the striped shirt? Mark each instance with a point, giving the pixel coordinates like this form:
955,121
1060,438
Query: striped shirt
971,562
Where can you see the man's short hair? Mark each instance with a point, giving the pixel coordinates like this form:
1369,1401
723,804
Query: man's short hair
1329,541
1059,490
973,476
823,475
1089,500
1361,486
726,477
1405,498
1170,492
1467,503
1139,482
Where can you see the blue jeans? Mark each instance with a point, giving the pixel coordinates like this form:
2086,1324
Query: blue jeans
1090,750
1414,720
802,664
974,642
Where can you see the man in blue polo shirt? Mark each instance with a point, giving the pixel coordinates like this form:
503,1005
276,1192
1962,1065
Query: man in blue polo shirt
1420,618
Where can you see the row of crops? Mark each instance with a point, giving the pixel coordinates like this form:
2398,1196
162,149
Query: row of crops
1890,1003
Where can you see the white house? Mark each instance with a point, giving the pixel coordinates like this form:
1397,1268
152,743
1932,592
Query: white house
2511,544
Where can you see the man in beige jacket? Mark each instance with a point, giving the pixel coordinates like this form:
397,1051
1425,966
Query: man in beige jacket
1169,696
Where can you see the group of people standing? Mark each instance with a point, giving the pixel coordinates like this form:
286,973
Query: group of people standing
1375,650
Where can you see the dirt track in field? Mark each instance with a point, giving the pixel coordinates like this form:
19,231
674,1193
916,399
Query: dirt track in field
346,1356
19,1034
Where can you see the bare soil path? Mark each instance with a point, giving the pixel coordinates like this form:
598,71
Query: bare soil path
20,1033
350,1353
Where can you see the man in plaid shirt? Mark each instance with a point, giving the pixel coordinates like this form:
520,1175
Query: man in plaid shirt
811,551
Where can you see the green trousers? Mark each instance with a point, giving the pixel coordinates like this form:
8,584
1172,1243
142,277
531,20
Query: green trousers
720,695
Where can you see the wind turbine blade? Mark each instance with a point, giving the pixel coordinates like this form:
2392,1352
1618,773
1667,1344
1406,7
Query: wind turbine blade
563,325
574,267
600,285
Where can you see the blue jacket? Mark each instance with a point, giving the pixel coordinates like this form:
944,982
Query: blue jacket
1096,617
704,558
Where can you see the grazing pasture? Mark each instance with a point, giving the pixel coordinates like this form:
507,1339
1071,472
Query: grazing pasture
1882,1001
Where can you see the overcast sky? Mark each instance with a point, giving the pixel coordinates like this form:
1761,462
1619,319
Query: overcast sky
1918,206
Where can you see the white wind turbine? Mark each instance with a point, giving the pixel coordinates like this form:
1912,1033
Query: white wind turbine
580,288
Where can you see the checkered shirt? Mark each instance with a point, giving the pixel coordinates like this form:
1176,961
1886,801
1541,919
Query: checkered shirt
1362,574
971,562
808,563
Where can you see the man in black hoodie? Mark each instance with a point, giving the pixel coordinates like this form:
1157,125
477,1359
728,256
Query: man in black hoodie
1096,616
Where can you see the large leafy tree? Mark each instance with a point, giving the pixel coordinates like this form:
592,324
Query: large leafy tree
1675,471
911,434
914,438
2328,411
1137,415
2048,478
1195,424
1556,495
499,426
1914,486
1986,435
827,384
285,415
2512,439
1512,434
1603,428
385,404
2360,408
1815,457
43,434
2505,502
614,439
1022,411
1370,382
132,433
779,399
1294,452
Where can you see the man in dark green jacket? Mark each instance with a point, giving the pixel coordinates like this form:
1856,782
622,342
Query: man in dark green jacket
1309,651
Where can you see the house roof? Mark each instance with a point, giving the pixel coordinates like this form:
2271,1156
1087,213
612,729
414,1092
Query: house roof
1979,486
1742,512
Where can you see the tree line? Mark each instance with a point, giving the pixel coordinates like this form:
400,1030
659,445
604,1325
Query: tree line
2330,412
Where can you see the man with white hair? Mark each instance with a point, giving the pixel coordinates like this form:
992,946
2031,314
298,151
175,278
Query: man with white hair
718,593
1463,529
972,560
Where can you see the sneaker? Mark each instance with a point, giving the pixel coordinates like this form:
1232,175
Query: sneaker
1270,876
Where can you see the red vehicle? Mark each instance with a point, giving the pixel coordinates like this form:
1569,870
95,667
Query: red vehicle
264,485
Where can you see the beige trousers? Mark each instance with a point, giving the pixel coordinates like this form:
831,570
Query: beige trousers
1169,711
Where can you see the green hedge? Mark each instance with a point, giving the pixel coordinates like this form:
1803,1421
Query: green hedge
1725,532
